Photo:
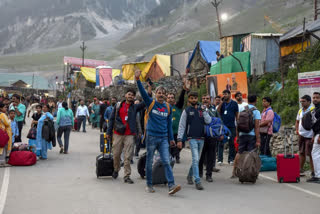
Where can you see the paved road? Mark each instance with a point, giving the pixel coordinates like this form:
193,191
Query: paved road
67,184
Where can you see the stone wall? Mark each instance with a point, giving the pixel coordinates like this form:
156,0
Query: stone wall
277,143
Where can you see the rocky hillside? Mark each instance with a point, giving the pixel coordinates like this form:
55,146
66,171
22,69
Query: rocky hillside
42,24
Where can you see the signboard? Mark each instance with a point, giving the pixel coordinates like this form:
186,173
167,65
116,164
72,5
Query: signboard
233,82
309,83
87,62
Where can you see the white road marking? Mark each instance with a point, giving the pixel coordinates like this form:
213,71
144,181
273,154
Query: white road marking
288,185
292,186
4,189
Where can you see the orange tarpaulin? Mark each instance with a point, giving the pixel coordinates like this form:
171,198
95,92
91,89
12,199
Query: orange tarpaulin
297,48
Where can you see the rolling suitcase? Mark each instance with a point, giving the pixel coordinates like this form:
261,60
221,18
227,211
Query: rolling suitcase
158,171
288,165
248,167
104,161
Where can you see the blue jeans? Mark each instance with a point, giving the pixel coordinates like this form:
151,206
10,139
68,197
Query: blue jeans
162,145
196,148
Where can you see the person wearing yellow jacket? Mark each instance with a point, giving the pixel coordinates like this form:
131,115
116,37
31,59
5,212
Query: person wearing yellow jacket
5,126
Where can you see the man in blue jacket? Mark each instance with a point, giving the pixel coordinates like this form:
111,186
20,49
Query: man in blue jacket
192,123
159,130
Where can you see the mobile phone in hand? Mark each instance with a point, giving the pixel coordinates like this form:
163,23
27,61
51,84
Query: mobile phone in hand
150,82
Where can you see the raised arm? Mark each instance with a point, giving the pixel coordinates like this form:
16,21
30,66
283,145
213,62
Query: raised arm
144,94
180,102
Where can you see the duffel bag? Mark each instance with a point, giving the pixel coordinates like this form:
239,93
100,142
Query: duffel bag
22,158
268,163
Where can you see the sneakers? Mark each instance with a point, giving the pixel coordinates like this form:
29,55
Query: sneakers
190,181
314,180
174,189
199,186
150,189
177,161
209,179
215,170
128,180
115,175
231,163
220,163
61,150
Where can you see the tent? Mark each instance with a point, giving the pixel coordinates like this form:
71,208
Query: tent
128,69
231,65
115,73
203,56
158,67
89,74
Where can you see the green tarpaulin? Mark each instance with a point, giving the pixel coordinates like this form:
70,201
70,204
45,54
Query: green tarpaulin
231,65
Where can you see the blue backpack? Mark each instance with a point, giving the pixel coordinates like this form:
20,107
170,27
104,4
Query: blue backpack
216,129
276,122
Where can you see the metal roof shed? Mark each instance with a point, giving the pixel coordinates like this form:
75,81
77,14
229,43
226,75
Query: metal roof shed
264,50
179,62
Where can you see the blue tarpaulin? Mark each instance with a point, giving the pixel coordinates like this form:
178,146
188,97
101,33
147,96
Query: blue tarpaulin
208,51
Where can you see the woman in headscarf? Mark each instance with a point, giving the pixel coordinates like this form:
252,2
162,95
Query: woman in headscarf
35,118
5,126
42,144
95,116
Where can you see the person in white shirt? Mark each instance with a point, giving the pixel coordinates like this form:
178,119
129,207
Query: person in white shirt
305,137
82,115
240,101
59,104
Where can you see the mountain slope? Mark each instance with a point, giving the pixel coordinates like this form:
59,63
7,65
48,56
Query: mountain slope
42,24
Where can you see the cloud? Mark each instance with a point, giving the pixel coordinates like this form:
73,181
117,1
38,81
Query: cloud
158,2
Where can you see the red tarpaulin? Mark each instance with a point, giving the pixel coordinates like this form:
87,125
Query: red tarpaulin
87,62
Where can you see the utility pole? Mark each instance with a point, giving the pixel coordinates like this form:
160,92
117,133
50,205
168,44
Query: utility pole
316,9
83,48
32,80
215,4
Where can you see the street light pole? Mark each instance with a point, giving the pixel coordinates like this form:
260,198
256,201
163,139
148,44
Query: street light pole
83,48
216,4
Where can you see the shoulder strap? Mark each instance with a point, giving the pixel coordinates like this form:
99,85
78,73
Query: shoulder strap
169,109
301,111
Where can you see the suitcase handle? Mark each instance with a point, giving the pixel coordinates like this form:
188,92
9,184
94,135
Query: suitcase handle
106,147
286,132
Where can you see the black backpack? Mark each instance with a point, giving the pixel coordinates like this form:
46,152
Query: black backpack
246,122
309,120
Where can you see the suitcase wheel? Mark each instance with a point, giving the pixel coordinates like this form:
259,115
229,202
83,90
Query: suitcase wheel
298,180
281,180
